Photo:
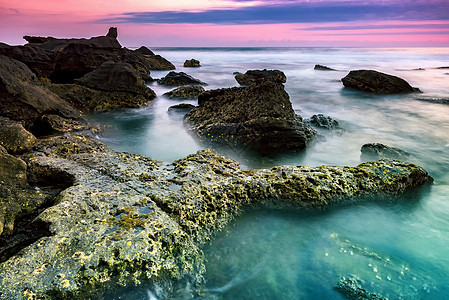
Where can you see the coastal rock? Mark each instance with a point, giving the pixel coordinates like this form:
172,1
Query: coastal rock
376,82
320,121
183,107
375,151
185,92
14,138
23,98
259,117
145,51
350,287
192,63
138,62
257,76
179,78
126,218
155,62
323,68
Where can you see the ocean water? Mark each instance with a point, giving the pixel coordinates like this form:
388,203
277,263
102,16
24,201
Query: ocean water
397,248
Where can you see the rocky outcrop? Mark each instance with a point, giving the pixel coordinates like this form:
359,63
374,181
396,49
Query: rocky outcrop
185,92
14,138
323,68
192,63
63,60
257,76
376,82
375,151
323,122
179,78
23,98
126,218
258,117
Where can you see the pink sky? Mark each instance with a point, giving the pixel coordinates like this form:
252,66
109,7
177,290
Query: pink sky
232,22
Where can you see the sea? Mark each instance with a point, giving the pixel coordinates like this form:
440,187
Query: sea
397,248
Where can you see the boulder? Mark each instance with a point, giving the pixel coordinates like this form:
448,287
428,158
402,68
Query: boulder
257,76
375,151
192,63
322,122
323,68
185,92
23,98
126,219
376,82
144,51
14,138
179,78
155,62
259,117
183,107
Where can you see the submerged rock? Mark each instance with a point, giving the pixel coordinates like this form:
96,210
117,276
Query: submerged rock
320,121
351,288
179,78
185,92
184,107
258,76
376,82
192,63
125,218
375,151
259,117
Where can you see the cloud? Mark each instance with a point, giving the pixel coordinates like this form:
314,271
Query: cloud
279,12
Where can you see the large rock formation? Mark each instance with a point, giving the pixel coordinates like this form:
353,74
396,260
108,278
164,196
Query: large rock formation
23,98
126,218
259,117
376,82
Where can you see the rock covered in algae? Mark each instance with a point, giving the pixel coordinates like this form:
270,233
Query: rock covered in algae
127,218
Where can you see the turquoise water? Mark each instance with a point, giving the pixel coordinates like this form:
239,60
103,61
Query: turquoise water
398,248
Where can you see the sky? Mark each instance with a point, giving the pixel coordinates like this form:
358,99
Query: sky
236,23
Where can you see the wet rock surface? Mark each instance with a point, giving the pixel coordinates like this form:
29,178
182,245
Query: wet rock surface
324,122
375,151
192,63
179,78
323,68
259,117
258,76
185,92
14,137
124,218
376,82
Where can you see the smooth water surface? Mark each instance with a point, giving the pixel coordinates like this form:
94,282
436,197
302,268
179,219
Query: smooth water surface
398,248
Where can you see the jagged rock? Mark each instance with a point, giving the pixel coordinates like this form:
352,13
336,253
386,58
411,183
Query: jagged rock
184,107
375,151
185,92
376,82
126,218
155,62
320,121
259,117
23,98
112,33
14,137
192,63
323,68
179,78
257,76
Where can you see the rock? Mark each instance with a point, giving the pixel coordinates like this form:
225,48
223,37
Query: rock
351,288
155,62
112,33
375,151
14,137
259,117
320,121
183,107
126,218
323,68
185,92
145,51
257,76
179,78
192,63
376,82
23,98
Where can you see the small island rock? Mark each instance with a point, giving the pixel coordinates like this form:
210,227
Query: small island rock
375,151
376,82
192,63
257,76
323,68
179,78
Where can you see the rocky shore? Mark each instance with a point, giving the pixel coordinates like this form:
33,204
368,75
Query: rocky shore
78,218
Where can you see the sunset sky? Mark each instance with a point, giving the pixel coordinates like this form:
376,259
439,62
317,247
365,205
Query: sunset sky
155,23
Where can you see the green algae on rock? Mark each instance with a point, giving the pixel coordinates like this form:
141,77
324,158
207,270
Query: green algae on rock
127,218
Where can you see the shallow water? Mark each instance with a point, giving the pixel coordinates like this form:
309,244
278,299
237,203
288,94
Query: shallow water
398,248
